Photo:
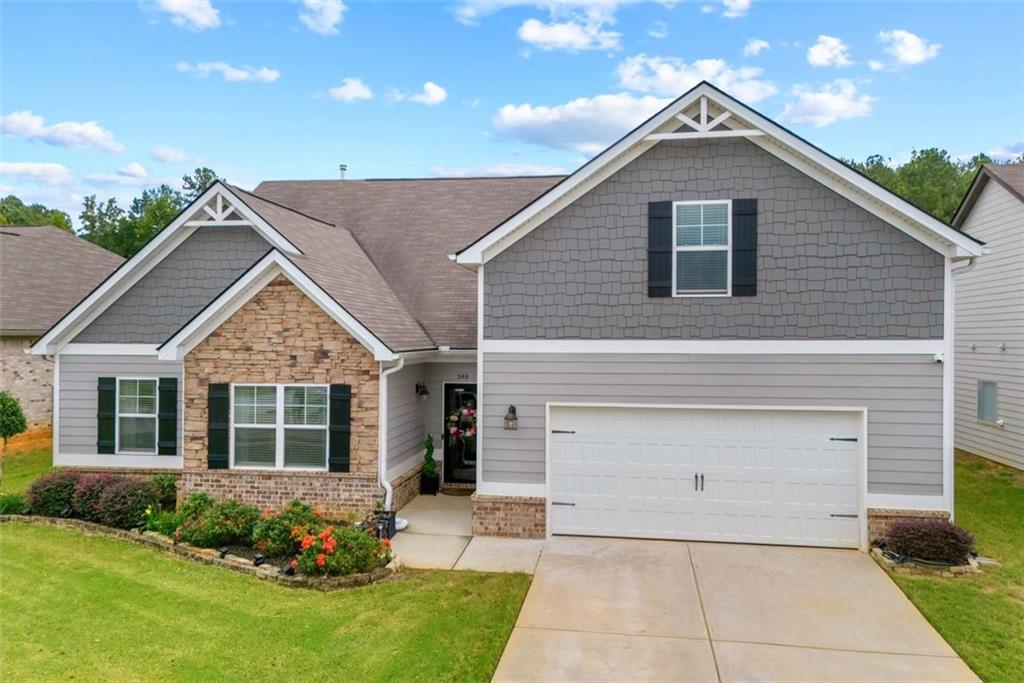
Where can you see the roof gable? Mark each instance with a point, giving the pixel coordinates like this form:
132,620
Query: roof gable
706,112
1009,176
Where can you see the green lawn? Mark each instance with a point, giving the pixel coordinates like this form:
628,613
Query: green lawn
22,467
983,617
92,608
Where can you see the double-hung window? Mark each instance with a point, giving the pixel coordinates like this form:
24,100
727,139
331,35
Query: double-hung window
702,264
136,415
279,426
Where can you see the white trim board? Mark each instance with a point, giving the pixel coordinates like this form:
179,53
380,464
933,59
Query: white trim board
776,139
135,268
161,462
109,350
255,279
713,347
896,501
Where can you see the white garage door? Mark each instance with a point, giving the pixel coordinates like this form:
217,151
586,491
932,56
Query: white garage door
755,476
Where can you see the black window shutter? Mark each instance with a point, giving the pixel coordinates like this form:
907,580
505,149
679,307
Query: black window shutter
218,406
659,249
167,417
106,414
340,428
744,247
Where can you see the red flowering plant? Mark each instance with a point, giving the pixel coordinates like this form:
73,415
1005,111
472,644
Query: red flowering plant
338,550
273,533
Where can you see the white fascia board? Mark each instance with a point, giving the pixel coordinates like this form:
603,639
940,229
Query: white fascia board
853,185
439,356
256,278
135,268
265,229
718,347
109,350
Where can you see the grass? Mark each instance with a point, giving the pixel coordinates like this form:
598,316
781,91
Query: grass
92,608
22,466
982,617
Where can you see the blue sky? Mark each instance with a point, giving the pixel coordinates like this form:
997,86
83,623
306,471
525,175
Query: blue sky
107,98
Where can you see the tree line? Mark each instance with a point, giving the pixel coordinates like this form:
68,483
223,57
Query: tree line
932,179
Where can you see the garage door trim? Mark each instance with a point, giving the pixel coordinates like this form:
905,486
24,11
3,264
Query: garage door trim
862,469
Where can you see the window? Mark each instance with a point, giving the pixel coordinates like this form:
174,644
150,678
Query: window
279,426
136,415
988,401
703,257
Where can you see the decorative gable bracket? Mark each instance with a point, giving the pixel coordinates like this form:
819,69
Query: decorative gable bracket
704,127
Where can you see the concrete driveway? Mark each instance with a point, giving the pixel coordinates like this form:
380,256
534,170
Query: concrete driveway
621,610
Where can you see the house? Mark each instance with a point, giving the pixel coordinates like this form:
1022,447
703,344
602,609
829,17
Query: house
711,330
990,318
44,271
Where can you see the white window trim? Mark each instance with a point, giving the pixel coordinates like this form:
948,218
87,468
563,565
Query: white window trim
279,426
727,248
118,415
981,420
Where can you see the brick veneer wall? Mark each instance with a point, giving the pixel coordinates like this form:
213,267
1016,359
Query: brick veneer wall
405,487
879,519
512,516
281,336
29,378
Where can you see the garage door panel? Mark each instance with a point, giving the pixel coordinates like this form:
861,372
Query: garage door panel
769,476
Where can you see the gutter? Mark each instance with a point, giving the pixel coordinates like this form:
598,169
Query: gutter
382,437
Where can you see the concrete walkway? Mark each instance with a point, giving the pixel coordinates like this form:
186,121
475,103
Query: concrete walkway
621,610
440,536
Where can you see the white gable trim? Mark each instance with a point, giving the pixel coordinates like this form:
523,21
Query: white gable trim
245,288
777,140
135,268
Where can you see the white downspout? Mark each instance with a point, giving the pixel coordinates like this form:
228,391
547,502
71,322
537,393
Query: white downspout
382,437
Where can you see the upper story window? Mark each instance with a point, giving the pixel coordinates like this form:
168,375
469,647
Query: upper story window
703,248
988,402
279,426
136,415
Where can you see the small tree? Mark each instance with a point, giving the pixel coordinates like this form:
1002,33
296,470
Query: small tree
12,422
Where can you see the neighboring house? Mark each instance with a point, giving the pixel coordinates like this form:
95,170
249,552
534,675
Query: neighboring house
44,271
712,330
990,318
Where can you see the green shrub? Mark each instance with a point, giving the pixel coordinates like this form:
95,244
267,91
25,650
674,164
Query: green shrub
12,504
337,551
196,504
50,495
164,522
273,534
212,524
124,503
933,540
166,489
85,501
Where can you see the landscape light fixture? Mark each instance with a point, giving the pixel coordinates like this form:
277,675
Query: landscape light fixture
258,559
223,550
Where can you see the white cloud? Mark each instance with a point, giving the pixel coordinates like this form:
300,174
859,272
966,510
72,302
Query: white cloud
40,172
29,126
351,90
496,170
708,9
230,73
432,94
755,46
572,25
733,9
658,29
132,175
168,154
1010,151
875,65
835,101
586,124
322,16
132,170
829,51
908,48
671,77
568,35
197,15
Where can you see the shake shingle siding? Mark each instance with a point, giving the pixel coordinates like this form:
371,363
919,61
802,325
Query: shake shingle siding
827,269
178,287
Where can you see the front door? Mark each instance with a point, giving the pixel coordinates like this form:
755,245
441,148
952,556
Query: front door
459,433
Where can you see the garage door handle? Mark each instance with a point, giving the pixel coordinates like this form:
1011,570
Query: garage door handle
834,514
563,431
558,502
844,438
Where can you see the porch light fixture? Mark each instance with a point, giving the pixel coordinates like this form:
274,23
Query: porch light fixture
511,421
422,391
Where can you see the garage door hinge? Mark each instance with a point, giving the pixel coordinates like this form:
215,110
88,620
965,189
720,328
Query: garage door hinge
844,438
563,431
834,514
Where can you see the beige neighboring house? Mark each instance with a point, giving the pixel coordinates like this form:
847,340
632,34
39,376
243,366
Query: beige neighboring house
990,319
44,271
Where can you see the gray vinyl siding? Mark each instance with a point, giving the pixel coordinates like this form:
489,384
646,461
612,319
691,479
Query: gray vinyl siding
903,396
78,396
178,287
827,269
990,312
411,418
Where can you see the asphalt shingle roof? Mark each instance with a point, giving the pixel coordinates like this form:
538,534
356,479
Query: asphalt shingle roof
44,271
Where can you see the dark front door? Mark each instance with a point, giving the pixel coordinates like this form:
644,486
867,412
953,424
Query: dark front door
460,433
